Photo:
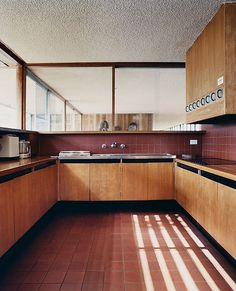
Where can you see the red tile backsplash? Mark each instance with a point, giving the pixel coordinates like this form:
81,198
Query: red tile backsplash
220,141
174,143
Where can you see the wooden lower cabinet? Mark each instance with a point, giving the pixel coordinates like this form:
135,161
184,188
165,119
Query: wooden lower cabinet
105,182
160,181
226,234
187,189
206,206
134,181
25,207
74,182
6,217
211,204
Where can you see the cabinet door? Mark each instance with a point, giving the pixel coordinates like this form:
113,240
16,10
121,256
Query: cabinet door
188,188
105,180
160,181
74,182
24,206
44,190
6,217
227,218
134,181
206,203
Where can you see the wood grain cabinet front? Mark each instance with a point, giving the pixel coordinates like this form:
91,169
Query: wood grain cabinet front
160,181
74,182
211,204
134,181
6,217
105,182
211,68
226,232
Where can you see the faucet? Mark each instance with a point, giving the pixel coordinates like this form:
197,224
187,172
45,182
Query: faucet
114,145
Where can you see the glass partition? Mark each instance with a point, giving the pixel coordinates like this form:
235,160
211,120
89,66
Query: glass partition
10,92
149,98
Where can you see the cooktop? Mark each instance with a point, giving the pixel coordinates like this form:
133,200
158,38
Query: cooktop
211,161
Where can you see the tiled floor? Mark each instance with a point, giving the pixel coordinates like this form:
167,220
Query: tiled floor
119,251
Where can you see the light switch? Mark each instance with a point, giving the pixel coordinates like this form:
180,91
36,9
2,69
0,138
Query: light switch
193,141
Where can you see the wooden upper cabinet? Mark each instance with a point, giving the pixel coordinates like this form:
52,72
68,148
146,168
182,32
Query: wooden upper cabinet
6,217
105,182
160,181
211,57
134,181
74,182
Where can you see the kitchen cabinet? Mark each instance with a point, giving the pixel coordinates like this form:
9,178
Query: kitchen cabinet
210,203
134,181
105,181
211,68
207,203
44,182
34,194
188,189
226,218
6,217
160,181
25,207
116,181
74,181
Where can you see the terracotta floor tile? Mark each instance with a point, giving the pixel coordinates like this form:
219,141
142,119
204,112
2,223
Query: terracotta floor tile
99,251
135,287
133,277
50,287
93,277
10,287
29,287
54,277
74,277
34,277
71,287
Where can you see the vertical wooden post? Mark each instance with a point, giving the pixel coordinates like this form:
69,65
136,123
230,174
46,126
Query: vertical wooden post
113,96
65,115
21,84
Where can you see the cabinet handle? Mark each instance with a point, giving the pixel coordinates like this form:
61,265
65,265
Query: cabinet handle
187,108
198,103
203,101
190,107
213,96
220,93
208,99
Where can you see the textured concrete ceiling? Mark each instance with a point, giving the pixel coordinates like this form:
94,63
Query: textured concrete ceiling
103,30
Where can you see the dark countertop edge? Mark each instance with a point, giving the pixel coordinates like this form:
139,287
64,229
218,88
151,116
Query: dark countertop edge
200,132
32,164
5,130
209,169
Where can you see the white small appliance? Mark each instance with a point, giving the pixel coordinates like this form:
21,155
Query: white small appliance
25,149
9,146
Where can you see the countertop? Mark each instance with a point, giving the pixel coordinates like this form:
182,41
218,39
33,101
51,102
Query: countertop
226,171
9,167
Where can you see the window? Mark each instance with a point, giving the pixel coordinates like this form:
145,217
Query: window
73,119
44,110
56,113
36,106
9,92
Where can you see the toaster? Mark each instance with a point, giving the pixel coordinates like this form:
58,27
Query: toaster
9,146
